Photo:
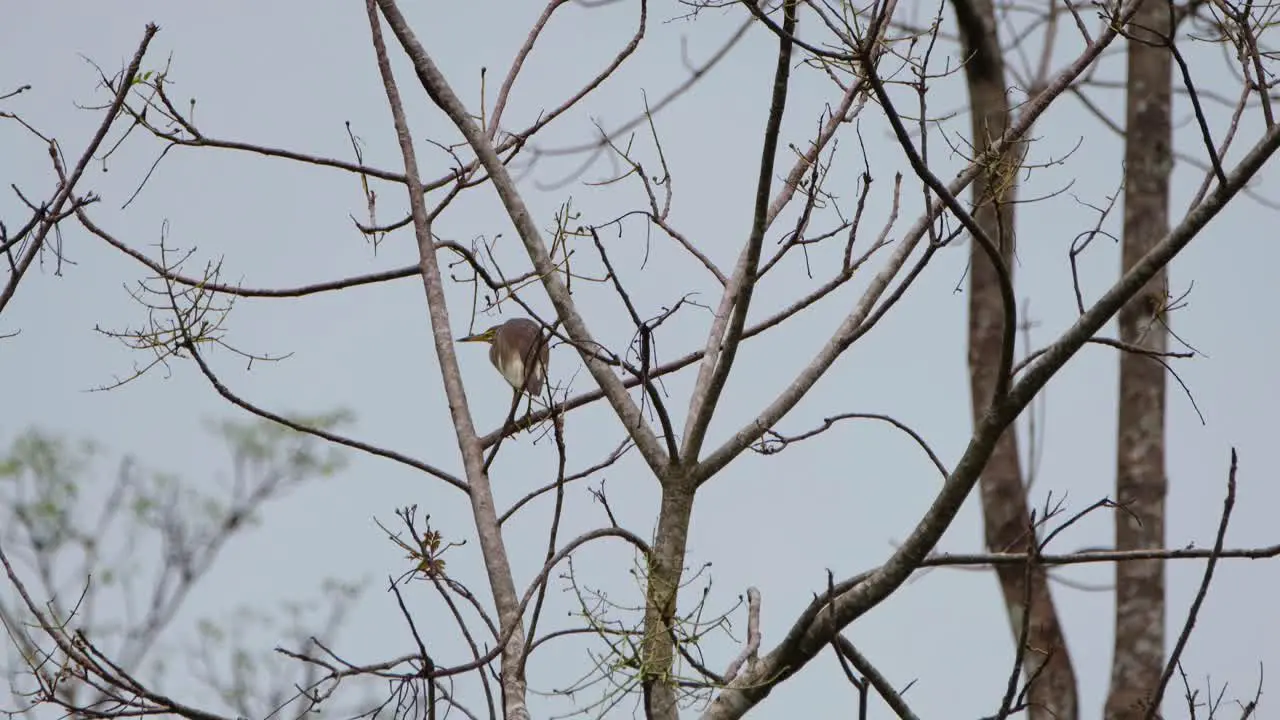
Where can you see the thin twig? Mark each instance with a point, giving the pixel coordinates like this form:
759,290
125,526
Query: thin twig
1228,503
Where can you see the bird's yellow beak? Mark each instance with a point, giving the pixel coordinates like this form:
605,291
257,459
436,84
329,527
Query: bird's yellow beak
478,337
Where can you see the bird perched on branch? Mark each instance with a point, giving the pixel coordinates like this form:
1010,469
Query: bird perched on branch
519,351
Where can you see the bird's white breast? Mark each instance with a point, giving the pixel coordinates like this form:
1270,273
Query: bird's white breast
513,370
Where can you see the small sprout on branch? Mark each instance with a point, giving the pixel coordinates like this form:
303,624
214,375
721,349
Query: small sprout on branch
428,547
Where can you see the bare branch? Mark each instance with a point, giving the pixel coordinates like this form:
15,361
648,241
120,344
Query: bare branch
726,329
68,185
748,656
1153,703
498,566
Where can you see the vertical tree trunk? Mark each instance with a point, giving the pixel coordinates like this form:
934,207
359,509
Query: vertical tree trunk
1004,499
666,568
1140,475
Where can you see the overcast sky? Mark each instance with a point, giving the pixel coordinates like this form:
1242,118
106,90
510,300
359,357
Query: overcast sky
291,73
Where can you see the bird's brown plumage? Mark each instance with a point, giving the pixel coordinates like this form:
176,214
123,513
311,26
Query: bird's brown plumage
514,345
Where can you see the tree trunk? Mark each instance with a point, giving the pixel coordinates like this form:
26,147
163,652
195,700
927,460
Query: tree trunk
666,568
1140,476
1004,499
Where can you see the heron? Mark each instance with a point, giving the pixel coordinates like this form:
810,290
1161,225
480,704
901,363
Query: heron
514,346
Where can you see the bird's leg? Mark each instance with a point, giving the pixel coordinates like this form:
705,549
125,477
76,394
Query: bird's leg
528,406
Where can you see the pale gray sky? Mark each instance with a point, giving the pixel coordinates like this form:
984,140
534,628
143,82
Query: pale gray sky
290,73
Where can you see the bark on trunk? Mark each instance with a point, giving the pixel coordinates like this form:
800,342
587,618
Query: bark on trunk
665,572
1004,499
1140,474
